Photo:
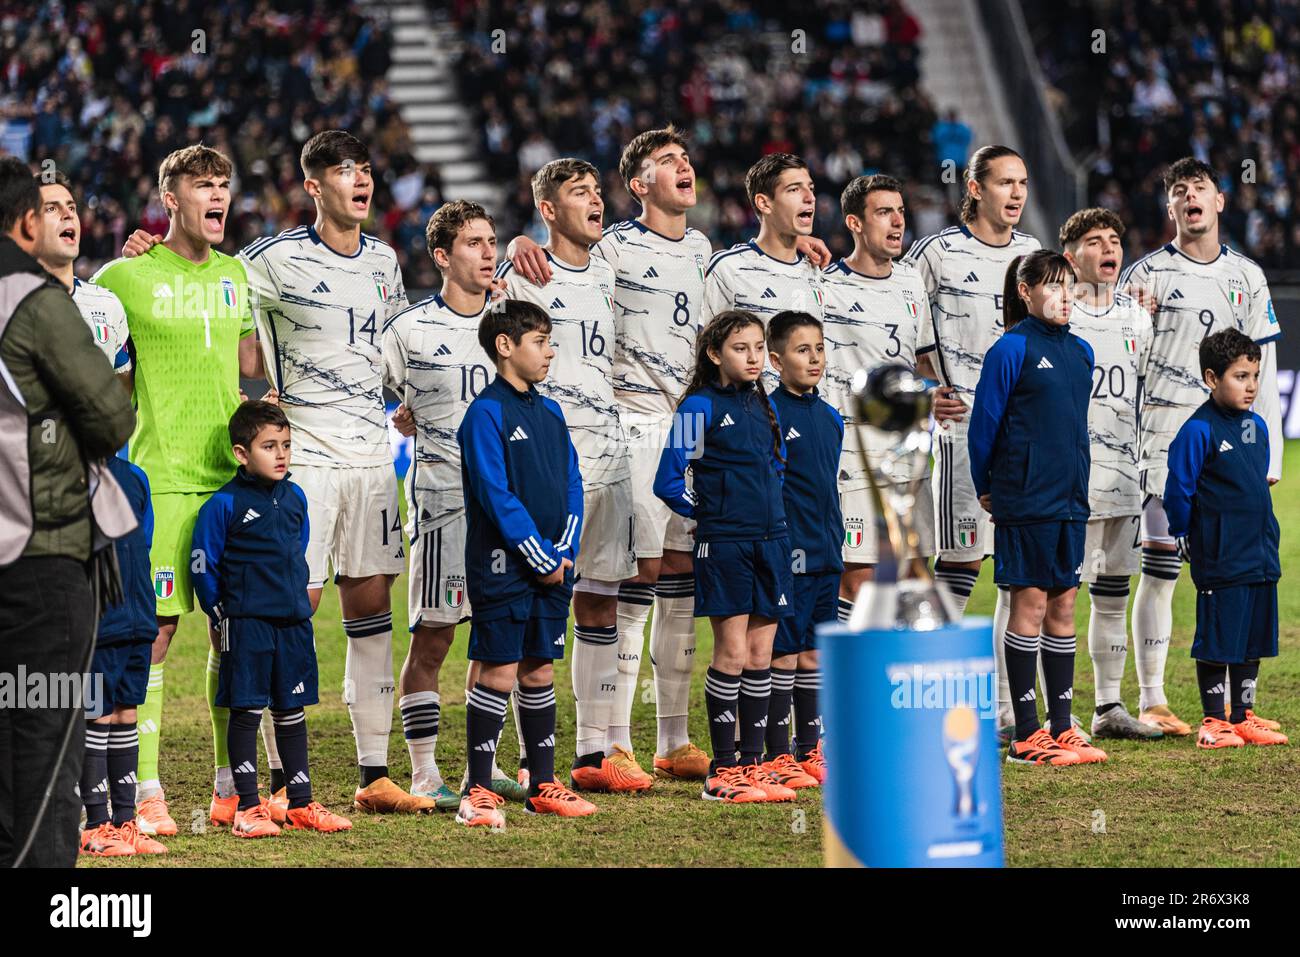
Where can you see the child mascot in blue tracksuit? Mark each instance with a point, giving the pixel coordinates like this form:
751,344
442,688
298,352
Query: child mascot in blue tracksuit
523,514
250,545
1029,460
727,433
123,646
1221,511
814,438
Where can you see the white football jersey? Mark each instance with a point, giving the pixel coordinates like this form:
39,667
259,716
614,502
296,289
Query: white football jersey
103,312
580,303
433,362
1120,335
869,322
1193,300
963,278
658,301
319,317
745,277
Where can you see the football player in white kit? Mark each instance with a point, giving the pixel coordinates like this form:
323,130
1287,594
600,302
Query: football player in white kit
320,296
57,251
434,364
1120,333
579,298
770,273
1195,286
875,310
963,268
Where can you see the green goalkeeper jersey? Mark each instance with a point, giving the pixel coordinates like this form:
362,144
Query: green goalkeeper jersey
185,320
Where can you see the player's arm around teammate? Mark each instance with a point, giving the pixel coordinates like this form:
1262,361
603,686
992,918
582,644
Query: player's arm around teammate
1029,460
727,433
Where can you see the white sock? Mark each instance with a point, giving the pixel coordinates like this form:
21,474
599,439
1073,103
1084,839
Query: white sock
1001,616
268,741
368,685
1153,620
225,783
672,653
420,716
595,676
634,601
1108,636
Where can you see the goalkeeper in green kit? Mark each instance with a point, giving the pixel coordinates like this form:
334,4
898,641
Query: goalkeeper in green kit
191,329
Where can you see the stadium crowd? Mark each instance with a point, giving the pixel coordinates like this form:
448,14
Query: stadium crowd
735,75
1214,78
107,89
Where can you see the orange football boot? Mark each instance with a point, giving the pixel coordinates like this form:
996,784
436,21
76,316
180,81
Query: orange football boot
105,841
617,773
1266,722
221,811
789,772
314,817
1254,731
772,789
1161,717
815,763
255,822
731,785
1217,733
555,798
153,817
142,842
1072,740
1040,748
278,806
685,763
480,807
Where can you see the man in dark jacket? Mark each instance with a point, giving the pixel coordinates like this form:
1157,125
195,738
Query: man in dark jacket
60,411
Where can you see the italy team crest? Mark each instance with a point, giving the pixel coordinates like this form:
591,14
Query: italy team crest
228,294
699,266
1130,341
912,309
381,286
967,533
101,331
455,592
164,583
853,533
1236,293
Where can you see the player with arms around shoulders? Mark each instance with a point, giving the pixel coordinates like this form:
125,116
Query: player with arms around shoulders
192,338
1194,287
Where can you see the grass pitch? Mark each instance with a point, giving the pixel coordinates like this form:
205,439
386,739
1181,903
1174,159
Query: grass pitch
1161,804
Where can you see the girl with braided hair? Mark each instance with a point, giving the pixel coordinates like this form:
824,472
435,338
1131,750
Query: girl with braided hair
726,432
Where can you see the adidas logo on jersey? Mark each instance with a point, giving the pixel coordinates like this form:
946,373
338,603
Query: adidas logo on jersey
971,277
792,434
547,742
1225,446
1176,294
724,717
726,421
768,293
650,274
250,515
1044,364
246,768
320,287
782,602
297,689
443,350
300,778
857,307
518,434
560,640
488,745
556,304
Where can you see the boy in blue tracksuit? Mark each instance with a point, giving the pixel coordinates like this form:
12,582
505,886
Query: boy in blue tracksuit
1029,460
1220,510
250,576
523,513
726,432
814,438
123,646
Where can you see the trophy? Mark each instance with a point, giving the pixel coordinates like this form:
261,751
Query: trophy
903,593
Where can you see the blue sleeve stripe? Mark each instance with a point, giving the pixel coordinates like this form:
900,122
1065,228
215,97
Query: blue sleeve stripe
1267,339
718,257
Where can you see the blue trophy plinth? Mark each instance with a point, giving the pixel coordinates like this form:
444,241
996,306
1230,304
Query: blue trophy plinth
913,762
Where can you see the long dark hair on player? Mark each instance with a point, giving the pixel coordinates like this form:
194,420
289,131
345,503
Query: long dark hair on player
1033,269
976,172
711,338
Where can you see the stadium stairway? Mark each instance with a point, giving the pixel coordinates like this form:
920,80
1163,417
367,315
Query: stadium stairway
421,81
958,71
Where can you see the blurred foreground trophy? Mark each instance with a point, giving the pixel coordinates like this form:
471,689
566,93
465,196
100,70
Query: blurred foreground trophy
909,707
903,592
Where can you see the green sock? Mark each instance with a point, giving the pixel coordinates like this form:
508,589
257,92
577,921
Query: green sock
149,722
220,716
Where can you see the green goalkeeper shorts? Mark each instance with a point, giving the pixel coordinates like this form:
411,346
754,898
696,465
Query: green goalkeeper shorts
174,514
